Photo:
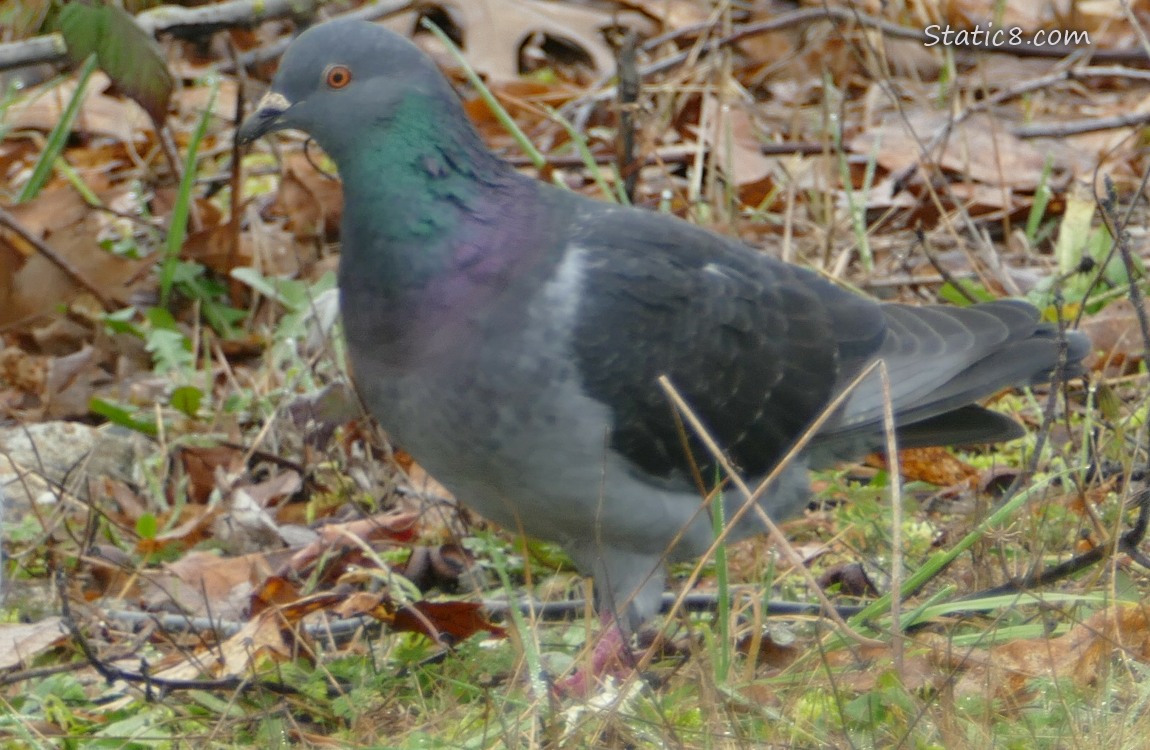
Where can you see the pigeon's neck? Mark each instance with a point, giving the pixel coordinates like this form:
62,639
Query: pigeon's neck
416,185
434,227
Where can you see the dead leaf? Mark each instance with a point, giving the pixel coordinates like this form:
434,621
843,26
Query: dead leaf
22,642
935,465
733,140
1116,336
1081,654
120,119
267,638
31,284
311,201
206,466
980,148
459,620
495,31
206,584
71,383
671,14
398,526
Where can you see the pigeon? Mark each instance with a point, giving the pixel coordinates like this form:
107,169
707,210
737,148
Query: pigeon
510,334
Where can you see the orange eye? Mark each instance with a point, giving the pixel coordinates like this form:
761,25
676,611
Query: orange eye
337,76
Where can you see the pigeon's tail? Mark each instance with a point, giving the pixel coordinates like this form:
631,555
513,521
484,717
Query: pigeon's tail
942,359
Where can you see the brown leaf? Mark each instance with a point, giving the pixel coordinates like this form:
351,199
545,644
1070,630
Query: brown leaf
31,284
981,149
935,465
203,584
101,115
20,643
311,201
1116,337
1082,653
275,591
459,620
732,138
267,637
203,465
218,247
398,526
496,31
71,383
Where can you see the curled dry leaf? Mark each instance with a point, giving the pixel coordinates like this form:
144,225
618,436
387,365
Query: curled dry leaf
397,526
457,620
495,32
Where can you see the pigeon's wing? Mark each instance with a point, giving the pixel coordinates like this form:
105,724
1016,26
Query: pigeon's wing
758,348
755,346
941,359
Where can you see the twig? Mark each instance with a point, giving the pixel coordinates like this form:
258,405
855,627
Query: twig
1127,543
112,673
49,48
9,221
1077,127
345,628
198,21
921,240
628,73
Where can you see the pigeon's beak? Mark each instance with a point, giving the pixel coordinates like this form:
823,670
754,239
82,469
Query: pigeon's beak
267,118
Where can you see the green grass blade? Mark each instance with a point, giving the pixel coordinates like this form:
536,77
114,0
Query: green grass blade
178,227
722,581
58,137
939,561
584,152
501,114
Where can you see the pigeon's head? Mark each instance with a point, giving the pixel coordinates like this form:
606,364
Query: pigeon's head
340,79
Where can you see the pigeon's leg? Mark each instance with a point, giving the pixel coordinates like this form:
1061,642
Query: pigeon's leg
612,656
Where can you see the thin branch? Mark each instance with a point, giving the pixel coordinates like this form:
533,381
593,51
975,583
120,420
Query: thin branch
46,250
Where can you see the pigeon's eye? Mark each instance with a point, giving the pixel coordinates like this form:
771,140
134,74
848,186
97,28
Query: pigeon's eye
337,76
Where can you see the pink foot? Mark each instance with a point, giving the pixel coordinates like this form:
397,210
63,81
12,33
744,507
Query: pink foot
611,656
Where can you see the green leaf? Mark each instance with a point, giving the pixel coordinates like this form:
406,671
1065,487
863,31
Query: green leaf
119,415
270,288
187,400
171,351
124,50
122,321
949,293
160,318
147,526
